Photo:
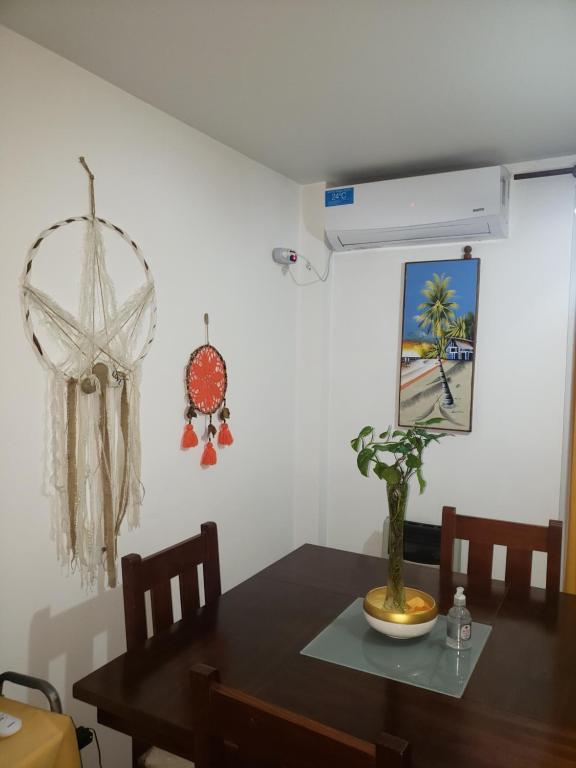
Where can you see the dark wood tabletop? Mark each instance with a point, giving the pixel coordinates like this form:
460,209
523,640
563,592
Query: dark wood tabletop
519,708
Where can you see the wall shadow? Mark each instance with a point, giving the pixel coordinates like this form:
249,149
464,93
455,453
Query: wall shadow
71,637
373,544
66,646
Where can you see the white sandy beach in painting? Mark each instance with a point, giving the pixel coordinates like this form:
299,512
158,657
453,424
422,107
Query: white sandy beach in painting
421,393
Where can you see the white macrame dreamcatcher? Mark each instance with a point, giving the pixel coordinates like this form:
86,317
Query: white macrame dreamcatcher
94,442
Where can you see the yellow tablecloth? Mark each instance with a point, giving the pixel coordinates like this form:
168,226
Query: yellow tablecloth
46,740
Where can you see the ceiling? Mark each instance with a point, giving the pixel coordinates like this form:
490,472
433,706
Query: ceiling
336,90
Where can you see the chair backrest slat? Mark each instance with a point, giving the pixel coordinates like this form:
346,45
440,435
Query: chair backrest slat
161,601
480,556
520,539
251,732
154,574
189,591
518,567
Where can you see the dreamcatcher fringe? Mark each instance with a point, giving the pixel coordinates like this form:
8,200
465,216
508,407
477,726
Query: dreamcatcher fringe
83,536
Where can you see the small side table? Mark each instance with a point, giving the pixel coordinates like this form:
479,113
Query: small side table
46,739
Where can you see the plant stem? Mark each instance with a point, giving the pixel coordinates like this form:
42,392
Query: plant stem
397,496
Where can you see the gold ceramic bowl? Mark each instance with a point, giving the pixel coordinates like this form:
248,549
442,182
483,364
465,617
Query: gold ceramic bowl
374,602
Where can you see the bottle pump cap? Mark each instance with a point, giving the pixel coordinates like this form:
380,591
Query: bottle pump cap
459,597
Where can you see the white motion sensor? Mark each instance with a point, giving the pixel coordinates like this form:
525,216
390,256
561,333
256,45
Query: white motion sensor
284,256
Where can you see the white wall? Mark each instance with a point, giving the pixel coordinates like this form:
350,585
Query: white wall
312,389
511,465
206,219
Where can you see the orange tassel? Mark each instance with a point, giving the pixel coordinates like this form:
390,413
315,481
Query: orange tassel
189,437
208,455
224,435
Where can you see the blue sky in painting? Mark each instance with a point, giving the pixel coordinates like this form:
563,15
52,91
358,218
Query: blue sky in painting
463,274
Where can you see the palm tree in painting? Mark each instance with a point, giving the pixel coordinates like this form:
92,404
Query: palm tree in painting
470,320
458,328
433,351
437,313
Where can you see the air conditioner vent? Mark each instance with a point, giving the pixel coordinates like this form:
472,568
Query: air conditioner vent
428,232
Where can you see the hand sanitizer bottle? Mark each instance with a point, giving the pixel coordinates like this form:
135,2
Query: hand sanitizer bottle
459,623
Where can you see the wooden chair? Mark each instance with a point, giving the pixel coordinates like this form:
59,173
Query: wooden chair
519,538
153,574
236,730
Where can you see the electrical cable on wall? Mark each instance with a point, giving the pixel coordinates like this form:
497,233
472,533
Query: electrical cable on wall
309,266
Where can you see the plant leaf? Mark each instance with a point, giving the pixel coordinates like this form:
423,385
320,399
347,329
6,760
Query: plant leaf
363,461
366,431
380,469
391,475
356,443
421,481
435,420
437,437
413,461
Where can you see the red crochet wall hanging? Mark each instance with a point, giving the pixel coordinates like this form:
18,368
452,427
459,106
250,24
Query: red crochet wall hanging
206,385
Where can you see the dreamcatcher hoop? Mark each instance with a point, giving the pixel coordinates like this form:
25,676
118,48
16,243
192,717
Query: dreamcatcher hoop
27,291
206,379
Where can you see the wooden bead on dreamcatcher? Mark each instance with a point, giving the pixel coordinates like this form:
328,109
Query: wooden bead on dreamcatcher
206,385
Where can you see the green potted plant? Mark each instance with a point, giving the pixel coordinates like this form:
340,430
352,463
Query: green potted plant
395,456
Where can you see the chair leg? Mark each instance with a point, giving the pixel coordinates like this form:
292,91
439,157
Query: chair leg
138,749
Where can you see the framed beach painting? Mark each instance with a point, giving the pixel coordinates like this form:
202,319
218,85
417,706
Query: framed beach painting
439,343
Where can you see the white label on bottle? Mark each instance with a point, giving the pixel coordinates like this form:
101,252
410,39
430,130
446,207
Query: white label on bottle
465,632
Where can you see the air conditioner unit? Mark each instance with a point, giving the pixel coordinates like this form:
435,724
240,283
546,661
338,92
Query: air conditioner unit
439,208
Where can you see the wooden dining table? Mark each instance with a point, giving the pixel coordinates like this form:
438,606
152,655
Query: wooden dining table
519,708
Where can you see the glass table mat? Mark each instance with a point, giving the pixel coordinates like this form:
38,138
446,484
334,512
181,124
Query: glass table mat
425,661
